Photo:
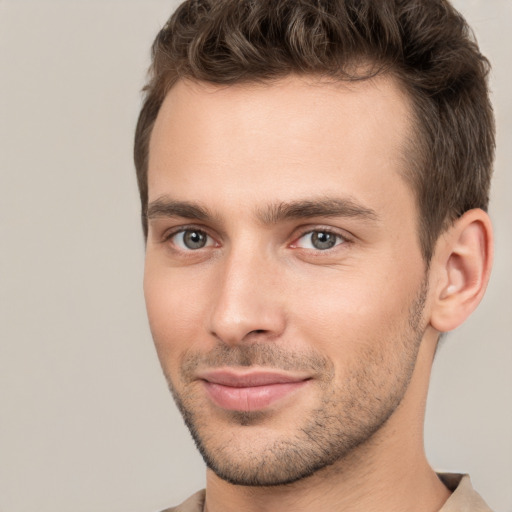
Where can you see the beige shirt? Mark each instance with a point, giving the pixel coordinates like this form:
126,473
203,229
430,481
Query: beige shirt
463,499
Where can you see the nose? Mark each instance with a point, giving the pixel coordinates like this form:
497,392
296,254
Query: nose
247,302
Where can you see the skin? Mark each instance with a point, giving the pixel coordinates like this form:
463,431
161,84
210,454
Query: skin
358,322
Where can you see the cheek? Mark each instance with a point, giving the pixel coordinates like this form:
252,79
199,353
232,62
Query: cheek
348,312
174,311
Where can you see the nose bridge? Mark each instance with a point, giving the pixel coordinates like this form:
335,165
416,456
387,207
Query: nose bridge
245,299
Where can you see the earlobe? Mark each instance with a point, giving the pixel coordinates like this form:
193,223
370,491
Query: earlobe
462,266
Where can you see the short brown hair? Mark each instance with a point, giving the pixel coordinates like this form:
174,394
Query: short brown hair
425,44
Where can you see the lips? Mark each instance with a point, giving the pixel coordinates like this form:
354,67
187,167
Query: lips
251,391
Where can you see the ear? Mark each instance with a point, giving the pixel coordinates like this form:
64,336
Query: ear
460,269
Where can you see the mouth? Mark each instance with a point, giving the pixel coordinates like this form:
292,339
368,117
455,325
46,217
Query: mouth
249,391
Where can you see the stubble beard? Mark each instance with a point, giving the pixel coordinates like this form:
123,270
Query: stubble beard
348,415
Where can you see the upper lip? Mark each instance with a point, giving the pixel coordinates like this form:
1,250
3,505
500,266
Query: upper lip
252,378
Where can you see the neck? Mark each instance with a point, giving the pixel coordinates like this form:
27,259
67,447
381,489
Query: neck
389,472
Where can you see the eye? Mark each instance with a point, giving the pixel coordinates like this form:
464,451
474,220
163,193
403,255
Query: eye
319,240
191,239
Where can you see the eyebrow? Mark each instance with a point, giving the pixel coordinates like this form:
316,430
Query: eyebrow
322,207
271,214
164,207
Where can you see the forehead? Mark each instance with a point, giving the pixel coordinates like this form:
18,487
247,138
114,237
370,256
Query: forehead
279,139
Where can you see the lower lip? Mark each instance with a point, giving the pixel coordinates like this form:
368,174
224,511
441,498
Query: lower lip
250,398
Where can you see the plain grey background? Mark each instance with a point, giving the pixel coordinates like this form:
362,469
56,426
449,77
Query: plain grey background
86,421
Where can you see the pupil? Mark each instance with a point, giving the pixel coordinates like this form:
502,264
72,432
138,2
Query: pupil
322,240
194,239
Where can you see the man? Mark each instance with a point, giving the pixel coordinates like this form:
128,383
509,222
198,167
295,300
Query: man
314,177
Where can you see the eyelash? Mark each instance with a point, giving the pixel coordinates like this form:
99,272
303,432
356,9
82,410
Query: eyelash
182,230
341,239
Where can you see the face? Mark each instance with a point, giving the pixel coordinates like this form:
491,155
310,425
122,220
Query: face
284,280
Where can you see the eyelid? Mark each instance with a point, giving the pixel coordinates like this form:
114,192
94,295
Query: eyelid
169,234
308,230
299,233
